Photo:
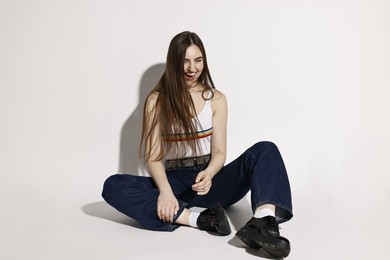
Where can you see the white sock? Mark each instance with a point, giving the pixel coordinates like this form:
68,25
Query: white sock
193,218
263,213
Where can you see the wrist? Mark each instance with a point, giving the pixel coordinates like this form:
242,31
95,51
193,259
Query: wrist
210,172
165,189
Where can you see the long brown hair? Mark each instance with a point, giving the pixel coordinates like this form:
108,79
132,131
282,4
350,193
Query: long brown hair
174,109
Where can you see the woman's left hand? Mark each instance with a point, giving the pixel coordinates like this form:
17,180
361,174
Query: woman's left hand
203,183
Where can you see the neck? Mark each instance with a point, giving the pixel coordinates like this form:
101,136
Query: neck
193,86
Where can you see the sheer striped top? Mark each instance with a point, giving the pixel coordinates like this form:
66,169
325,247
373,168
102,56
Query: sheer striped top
204,130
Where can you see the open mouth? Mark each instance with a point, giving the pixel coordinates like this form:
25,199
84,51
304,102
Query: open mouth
189,75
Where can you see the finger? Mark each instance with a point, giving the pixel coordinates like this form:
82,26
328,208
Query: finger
204,190
195,187
159,213
163,218
201,191
200,187
204,185
200,177
171,215
200,183
176,208
167,215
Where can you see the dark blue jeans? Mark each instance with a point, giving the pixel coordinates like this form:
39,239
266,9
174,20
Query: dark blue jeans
260,169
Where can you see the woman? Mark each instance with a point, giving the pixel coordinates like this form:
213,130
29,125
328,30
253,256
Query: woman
184,147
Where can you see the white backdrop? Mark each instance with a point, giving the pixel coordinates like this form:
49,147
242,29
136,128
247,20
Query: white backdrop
312,76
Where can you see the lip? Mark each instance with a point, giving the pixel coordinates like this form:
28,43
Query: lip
190,76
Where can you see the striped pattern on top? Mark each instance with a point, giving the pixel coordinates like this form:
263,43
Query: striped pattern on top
188,137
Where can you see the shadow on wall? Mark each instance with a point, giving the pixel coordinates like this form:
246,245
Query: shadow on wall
129,161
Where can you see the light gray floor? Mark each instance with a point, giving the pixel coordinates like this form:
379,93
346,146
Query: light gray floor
74,226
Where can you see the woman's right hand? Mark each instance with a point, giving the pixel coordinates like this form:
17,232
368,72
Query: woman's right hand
167,206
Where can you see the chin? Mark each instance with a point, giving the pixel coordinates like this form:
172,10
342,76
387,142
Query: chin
190,83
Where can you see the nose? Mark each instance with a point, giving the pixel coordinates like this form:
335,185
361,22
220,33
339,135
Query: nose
191,66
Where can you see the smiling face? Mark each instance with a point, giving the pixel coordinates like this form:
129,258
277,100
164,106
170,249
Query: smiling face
193,65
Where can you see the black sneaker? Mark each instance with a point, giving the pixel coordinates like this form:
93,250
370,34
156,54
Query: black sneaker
214,219
264,233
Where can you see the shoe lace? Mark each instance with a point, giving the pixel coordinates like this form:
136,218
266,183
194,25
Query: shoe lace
273,225
270,227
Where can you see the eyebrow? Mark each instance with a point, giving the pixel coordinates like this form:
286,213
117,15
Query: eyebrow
200,57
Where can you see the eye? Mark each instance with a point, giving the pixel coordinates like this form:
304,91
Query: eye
198,60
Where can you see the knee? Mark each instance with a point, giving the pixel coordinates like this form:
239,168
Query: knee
265,146
110,185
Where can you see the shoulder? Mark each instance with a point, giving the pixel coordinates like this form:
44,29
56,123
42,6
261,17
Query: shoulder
218,97
219,101
152,97
151,101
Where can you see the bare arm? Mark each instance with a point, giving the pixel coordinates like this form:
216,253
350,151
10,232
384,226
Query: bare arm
167,204
218,144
